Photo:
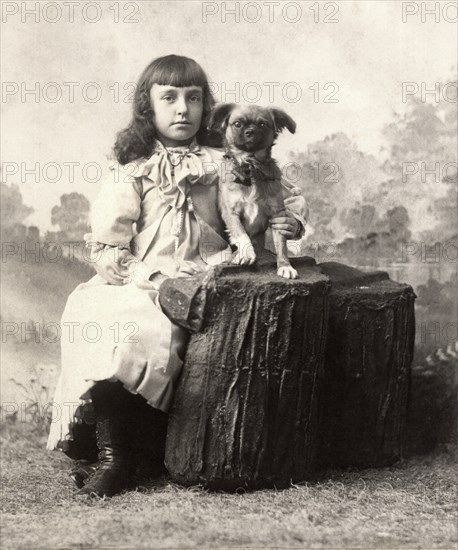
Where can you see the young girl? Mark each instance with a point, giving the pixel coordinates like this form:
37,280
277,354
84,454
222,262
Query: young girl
155,217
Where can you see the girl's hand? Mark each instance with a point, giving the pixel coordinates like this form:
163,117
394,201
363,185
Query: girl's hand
188,269
286,224
109,265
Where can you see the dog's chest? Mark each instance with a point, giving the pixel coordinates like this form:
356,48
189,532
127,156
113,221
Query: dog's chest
252,192
254,206
253,213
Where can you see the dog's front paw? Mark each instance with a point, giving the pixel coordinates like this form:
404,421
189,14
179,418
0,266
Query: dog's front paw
287,271
244,256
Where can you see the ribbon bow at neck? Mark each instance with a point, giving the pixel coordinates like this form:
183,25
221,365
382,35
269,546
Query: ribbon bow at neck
175,168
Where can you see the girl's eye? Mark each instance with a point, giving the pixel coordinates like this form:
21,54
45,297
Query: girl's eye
237,124
168,98
195,98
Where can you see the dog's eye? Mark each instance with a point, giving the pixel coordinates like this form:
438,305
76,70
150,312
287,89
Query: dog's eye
262,124
237,124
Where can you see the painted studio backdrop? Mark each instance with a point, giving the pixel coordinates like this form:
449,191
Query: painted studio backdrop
371,85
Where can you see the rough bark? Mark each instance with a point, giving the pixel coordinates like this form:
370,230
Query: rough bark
184,300
367,368
245,412
280,368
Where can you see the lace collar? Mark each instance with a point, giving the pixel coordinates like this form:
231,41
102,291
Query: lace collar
192,147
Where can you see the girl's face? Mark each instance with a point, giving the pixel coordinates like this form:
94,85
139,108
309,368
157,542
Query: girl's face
177,113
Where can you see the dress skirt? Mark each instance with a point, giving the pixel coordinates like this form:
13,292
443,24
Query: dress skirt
114,333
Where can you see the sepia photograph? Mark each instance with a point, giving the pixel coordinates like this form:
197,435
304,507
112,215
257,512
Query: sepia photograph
229,303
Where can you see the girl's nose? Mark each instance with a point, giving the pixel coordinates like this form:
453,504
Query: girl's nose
182,106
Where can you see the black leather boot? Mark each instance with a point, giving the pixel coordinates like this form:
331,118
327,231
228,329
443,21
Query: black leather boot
112,474
113,433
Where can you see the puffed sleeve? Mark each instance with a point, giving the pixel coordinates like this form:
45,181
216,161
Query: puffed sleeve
296,205
116,208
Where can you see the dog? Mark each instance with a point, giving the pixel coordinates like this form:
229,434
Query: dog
250,190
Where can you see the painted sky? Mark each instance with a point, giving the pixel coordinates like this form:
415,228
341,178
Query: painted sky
355,52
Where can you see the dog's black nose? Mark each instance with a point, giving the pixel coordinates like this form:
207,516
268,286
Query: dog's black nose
249,132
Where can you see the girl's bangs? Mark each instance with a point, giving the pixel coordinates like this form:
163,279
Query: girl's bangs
178,72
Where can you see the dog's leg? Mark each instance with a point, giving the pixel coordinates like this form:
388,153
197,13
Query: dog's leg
284,268
245,254
231,214
258,241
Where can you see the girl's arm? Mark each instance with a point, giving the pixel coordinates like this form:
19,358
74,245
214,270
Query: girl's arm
116,209
113,215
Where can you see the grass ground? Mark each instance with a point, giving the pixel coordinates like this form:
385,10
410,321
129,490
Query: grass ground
410,505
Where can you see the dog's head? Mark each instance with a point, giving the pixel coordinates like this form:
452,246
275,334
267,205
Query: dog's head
249,128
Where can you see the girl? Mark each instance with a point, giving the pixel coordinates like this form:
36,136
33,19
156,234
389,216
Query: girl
155,217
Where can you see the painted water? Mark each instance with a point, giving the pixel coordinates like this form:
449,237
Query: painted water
416,273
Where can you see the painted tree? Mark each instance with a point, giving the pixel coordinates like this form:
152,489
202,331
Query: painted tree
341,185
351,194
13,210
421,172
72,216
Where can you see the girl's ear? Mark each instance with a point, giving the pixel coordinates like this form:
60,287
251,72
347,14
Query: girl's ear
282,120
218,117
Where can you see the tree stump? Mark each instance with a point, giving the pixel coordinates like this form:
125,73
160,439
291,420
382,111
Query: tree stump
367,368
276,368
245,412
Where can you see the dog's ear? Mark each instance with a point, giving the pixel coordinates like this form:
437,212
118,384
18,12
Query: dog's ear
282,120
217,119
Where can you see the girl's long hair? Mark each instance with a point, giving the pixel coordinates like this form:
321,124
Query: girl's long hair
137,140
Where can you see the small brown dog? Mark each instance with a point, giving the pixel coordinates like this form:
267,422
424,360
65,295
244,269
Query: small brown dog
250,190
